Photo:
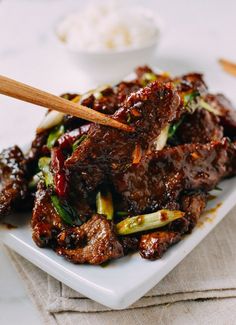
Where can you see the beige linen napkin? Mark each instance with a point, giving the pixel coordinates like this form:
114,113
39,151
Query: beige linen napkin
201,289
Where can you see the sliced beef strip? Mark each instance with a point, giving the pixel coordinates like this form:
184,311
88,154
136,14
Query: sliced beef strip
141,73
130,243
106,102
191,82
227,113
193,204
199,127
152,246
46,223
124,89
95,242
162,176
13,180
104,152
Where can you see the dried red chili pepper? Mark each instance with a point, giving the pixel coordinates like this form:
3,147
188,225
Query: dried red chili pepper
59,173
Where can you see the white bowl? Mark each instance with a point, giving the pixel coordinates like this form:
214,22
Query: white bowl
111,66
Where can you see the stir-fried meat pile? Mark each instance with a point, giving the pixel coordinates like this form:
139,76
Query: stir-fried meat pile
94,242
101,193
103,154
46,221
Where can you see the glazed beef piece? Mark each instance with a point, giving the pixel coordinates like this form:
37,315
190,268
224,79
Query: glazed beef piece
227,113
152,246
199,127
162,176
71,122
124,89
130,243
140,71
104,101
46,223
13,180
109,151
191,82
193,204
145,75
95,242
109,99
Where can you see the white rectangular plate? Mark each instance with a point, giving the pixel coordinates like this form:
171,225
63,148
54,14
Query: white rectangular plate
123,281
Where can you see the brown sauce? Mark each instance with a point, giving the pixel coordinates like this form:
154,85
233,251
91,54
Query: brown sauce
6,225
208,215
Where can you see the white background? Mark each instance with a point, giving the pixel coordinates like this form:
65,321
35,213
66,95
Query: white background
195,35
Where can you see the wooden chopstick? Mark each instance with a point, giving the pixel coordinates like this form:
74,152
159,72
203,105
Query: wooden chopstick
18,90
228,66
